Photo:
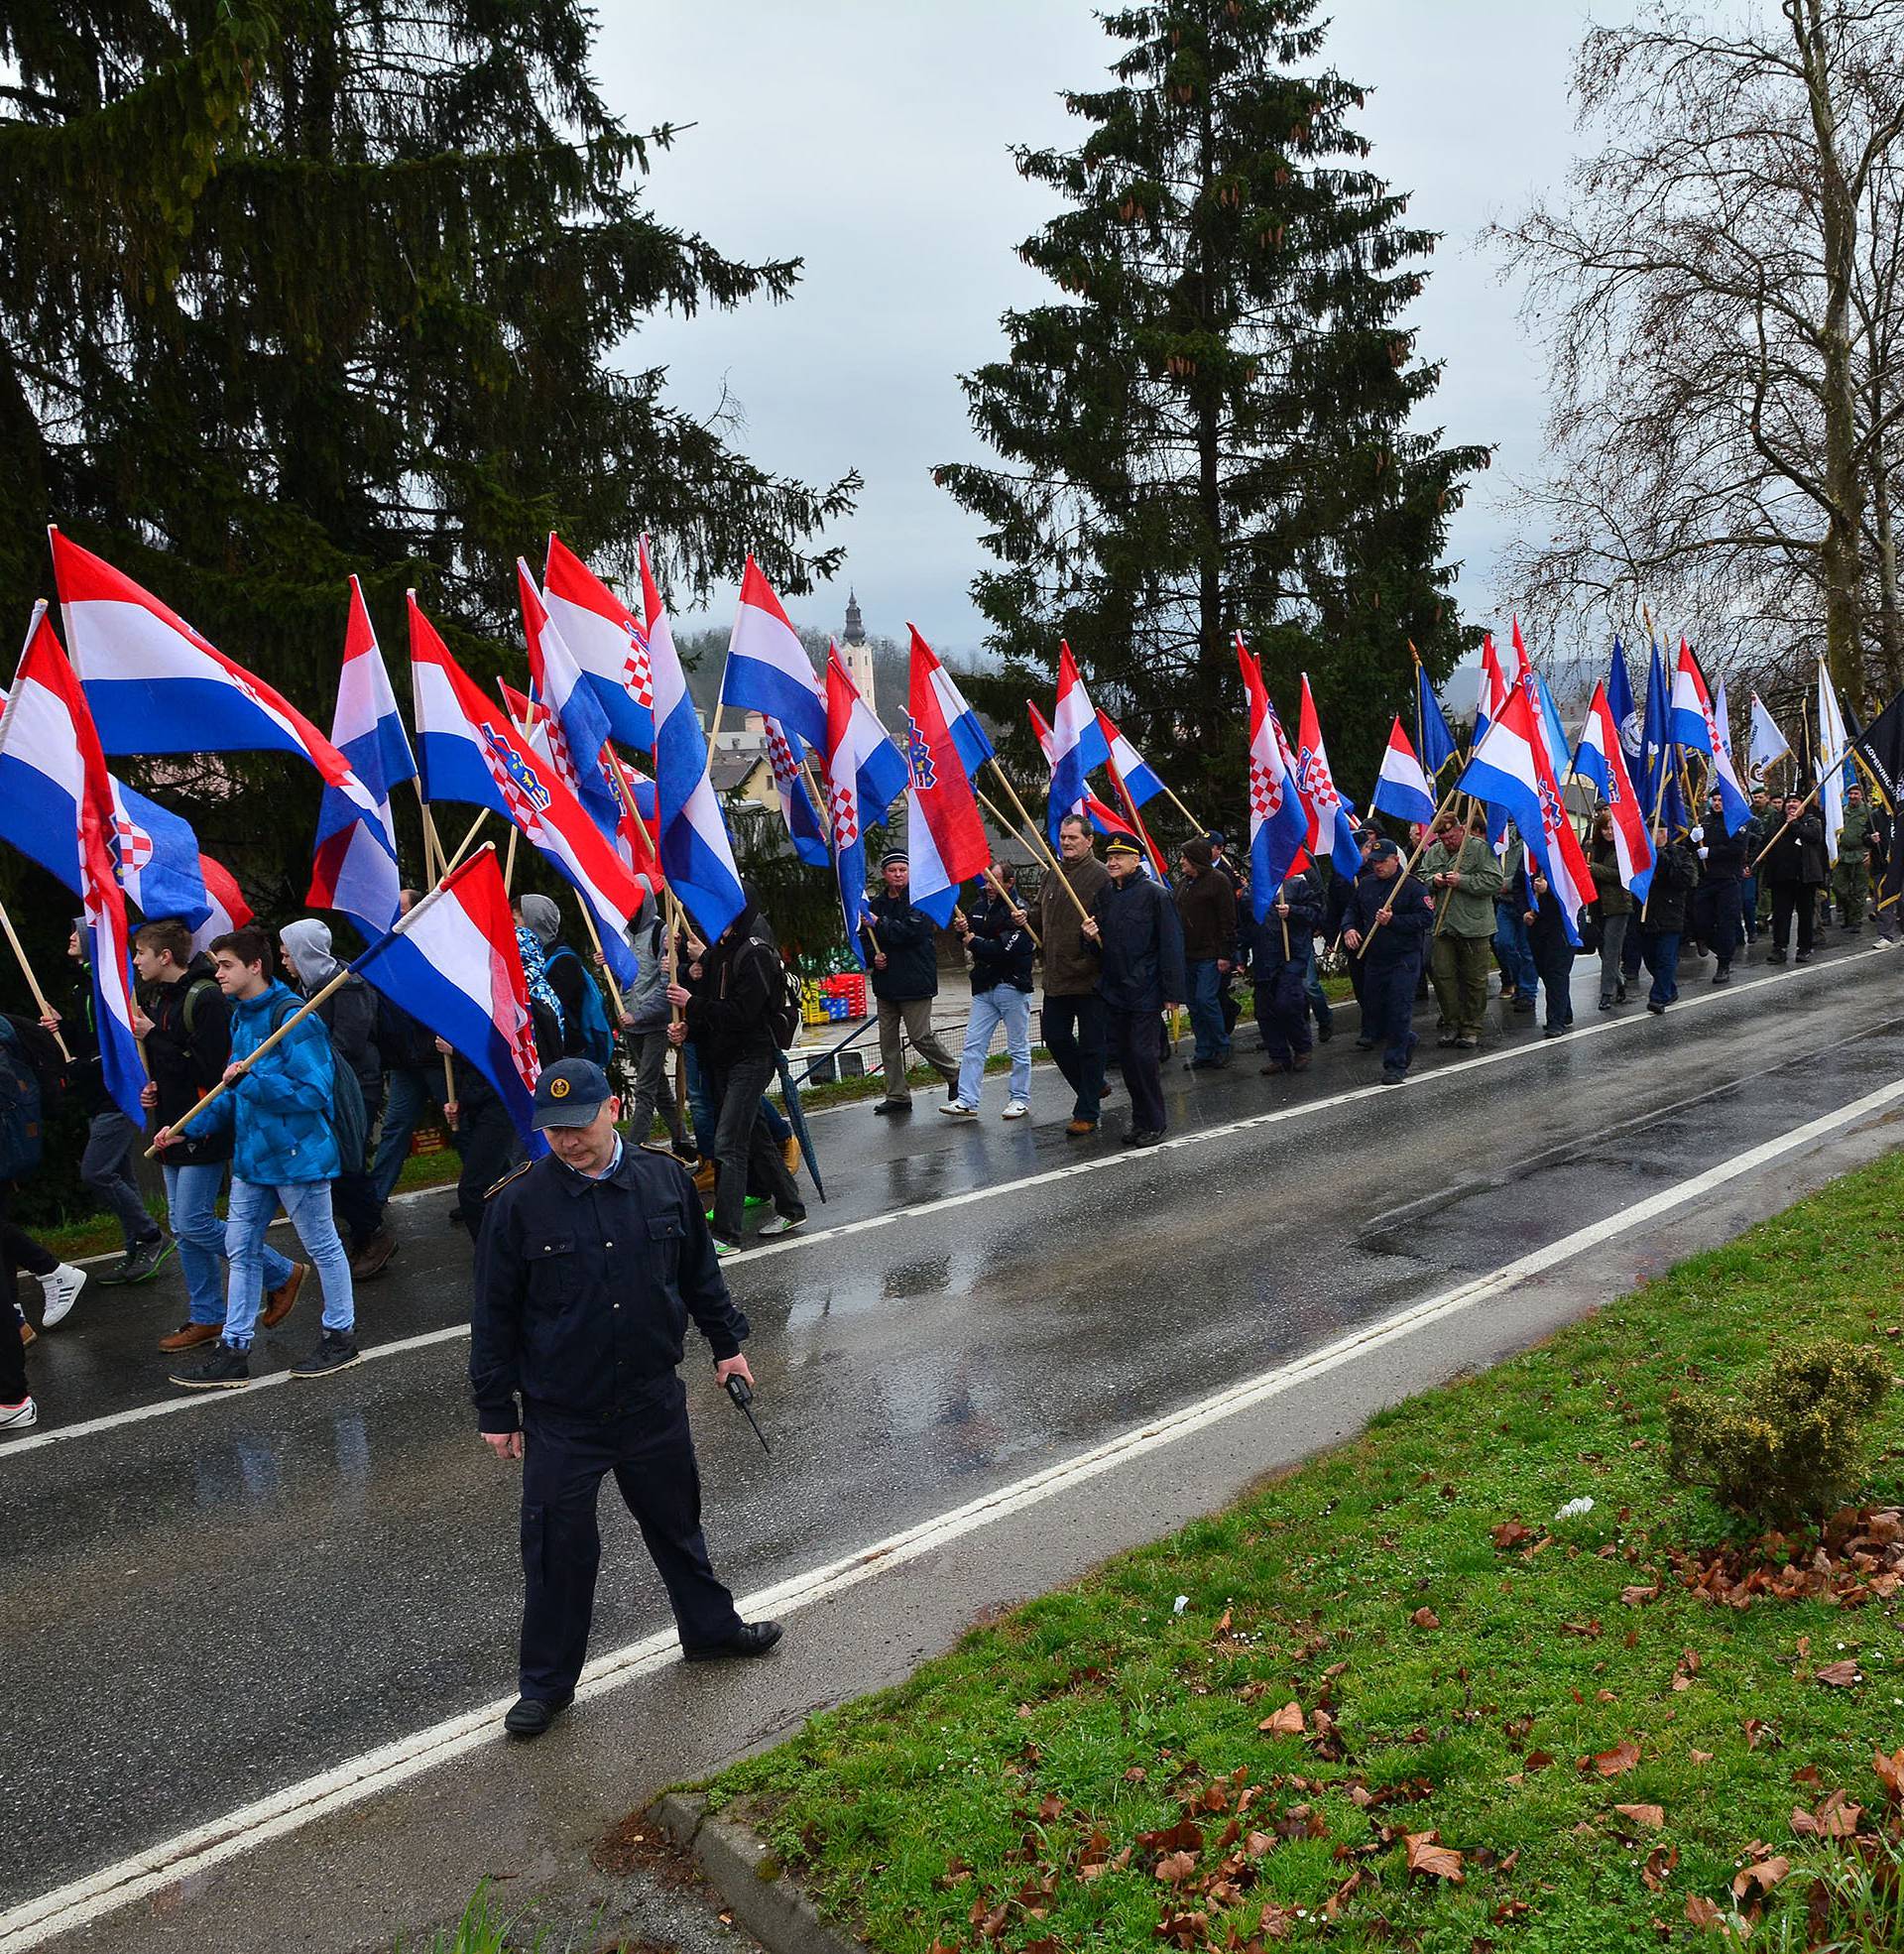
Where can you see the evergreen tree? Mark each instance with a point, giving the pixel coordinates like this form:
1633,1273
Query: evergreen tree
292,288
1211,430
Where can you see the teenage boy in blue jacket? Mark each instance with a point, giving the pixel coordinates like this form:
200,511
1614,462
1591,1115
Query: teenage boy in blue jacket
283,1151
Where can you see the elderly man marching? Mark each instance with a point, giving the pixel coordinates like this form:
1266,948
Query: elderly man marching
1134,930
1462,870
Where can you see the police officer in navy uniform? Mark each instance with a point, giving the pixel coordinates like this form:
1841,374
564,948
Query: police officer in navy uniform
590,1263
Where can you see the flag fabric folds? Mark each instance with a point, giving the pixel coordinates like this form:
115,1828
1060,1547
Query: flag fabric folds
841,761
1494,690
1628,722
452,963
797,804
229,910
1553,731
1401,787
470,750
607,641
1078,746
580,728
1278,824
1128,765
56,805
1332,830
768,670
1833,742
1696,725
696,855
944,834
1766,744
1602,759
355,866
156,855
975,748
1436,742
1511,768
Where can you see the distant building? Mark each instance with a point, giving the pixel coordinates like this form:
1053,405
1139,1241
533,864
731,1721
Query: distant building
857,655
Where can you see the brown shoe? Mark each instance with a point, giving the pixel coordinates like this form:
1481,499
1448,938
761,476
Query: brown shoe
278,1301
28,1334
1078,1128
188,1336
791,1154
704,1178
1300,1063
374,1257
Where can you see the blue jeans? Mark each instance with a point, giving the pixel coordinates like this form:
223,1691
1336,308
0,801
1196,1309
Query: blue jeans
248,1215
1205,1011
1748,907
407,1090
191,1195
1007,1005
1662,959
1517,953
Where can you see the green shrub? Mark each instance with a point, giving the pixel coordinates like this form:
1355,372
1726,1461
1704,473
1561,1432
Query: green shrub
1788,1446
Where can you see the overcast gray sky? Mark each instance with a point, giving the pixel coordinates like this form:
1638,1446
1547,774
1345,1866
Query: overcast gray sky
871,138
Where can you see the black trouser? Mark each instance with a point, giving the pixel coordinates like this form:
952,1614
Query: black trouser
1554,965
744,1149
1139,1037
18,1251
489,1145
1074,1033
1715,919
1791,898
1282,1008
650,1451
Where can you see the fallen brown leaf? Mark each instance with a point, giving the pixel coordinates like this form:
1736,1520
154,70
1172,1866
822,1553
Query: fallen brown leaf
1619,1761
1429,1857
1176,1867
1425,1617
1703,1913
1763,1876
1841,1676
1700,1757
1651,1816
1287,1721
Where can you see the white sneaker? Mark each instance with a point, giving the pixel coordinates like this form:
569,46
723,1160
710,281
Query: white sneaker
62,1290
782,1223
1016,1110
17,1417
957,1109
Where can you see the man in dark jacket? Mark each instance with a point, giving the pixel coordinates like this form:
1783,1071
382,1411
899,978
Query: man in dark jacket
1386,923
591,1263
1550,946
1133,925
997,938
731,992
1716,913
1072,1020
1206,911
185,1026
1795,868
1279,961
1663,919
1761,825
905,980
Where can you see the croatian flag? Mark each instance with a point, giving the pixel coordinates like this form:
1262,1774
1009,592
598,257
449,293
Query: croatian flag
802,818
1279,827
1551,726
1723,714
1401,787
641,787
606,641
1437,742
355,870
975,749
1494,688
1767,742
1696,725
157,857
1511,768
1078,746
229,910
55,805
698,857
840,764
768,670
1602,759
579,718
470,750
1128,765
452,963
1332,831
944,836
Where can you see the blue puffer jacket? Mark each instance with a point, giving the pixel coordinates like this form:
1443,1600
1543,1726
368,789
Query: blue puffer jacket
279,1113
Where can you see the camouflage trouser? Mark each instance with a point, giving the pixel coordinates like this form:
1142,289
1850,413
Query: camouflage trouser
1852,885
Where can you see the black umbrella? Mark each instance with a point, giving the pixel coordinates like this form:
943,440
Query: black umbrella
796,1119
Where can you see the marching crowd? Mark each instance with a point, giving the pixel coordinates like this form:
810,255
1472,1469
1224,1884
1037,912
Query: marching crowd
319,1124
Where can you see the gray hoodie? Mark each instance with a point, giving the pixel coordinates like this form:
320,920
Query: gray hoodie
645,999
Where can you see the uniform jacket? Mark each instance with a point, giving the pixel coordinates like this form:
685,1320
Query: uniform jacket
1798,855
1469,910
909,941
1611,896
1207,910
1405,934
186,1061
1303,894
1726,855
1070,964
1850,839
1141,955
739,982
1675,871
279,1113
584,1288
1001,949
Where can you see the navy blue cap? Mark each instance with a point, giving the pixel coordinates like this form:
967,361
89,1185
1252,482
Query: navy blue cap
569,1092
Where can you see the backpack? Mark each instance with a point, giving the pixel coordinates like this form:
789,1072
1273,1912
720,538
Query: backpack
782,1001
20,1106
349,1126
51,1067
598,1041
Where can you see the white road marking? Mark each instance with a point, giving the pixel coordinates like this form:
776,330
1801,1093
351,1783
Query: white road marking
193,1853
945,1204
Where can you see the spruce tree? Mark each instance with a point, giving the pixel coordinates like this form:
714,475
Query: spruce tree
290,288
1211,430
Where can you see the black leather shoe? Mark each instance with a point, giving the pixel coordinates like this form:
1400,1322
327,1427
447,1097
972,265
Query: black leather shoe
749,1638
887,1106
531,1716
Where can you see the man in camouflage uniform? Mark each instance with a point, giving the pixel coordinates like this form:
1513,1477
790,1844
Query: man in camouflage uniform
1851,881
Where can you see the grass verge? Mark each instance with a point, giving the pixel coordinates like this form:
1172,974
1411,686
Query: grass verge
1393,1700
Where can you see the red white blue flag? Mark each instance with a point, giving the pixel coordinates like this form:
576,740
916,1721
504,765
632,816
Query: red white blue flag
1602,757
607,641
1401,787
944,835
1279,822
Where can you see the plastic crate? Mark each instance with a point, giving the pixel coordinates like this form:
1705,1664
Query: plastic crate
836,1010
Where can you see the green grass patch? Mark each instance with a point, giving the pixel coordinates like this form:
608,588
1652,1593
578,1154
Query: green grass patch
1464,1667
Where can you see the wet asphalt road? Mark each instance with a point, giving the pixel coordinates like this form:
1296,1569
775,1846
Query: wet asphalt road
198,1608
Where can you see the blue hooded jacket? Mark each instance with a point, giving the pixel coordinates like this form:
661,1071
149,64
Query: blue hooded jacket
279,1113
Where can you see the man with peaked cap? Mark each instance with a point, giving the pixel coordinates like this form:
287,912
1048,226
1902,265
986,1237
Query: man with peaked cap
1134,931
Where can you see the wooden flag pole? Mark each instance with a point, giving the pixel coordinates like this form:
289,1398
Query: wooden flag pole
1037,845
1407,867
1773,843
33,982
433,842
1196,826
509,861
463,846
